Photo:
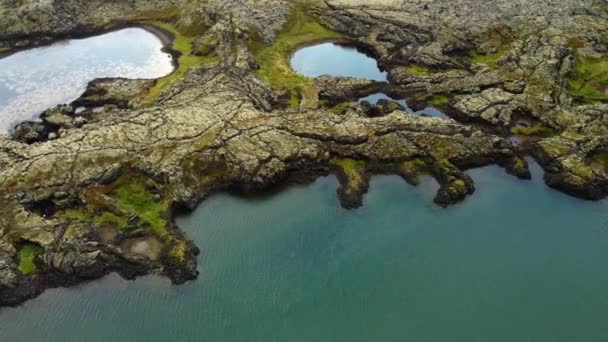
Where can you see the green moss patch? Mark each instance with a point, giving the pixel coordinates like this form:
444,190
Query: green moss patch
601,4
274,59
440,100
419,163
179,250
411,170
459,183
28,254
340,108
418,70
414,166
589,78
116,203
488,59
188,59
137,205
105,217
502,42
133,197
167,13
536,130
352,169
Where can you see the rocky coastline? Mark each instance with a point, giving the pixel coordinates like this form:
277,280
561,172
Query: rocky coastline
89,194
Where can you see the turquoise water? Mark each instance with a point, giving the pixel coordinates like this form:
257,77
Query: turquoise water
374,98
336,60
515,262
34,80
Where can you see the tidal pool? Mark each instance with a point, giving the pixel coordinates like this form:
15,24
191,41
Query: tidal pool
336,60
517,261
34,80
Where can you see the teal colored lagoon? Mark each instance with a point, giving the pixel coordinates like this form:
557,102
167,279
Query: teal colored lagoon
32,81
517,261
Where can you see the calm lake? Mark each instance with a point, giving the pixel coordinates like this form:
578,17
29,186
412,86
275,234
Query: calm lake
34,80
515,262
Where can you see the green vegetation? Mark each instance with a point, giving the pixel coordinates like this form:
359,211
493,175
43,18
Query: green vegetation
439,100
418,70
419,163
274,59
589,78
352,169
489,59
114,204
459,183
602,4
536,130
502,41
133,197
415,165
175,14
340,108
120,222
167,13
99,219
412,169
179,250
188,59
519,163
28,253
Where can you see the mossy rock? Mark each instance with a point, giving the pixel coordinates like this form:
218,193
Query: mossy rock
588,79
188,58
132,201
29,254
501,44
353,171
273,60
440,100
418,70
538,130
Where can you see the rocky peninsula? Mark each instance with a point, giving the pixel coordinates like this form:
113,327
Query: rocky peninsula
89,194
